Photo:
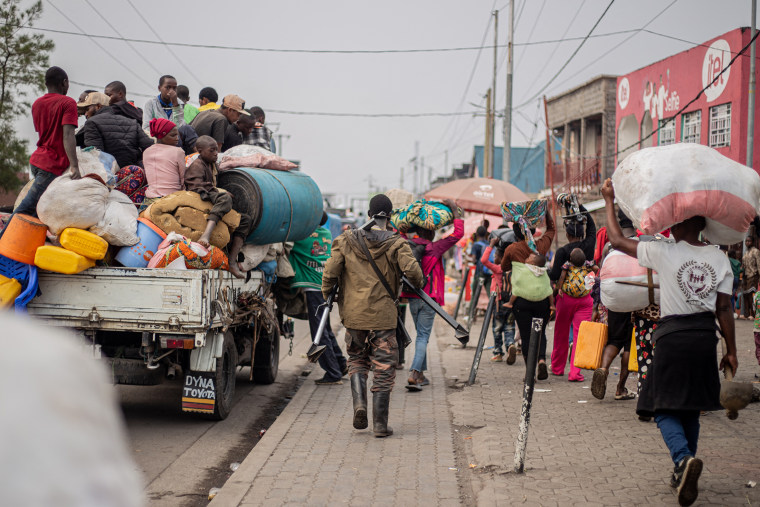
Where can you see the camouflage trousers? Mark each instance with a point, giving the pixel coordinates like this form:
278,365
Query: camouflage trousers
376,351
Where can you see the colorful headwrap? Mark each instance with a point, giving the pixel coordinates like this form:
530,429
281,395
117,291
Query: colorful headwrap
526,214
159,127
428,215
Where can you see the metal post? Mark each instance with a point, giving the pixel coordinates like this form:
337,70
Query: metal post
482,339
530,381
416,166
401,179
465,279
492,172
751,113
474,301
506,159
487,147
550,165
446,165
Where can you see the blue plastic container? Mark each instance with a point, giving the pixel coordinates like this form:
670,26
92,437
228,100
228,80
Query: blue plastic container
283,205
26,275
137,256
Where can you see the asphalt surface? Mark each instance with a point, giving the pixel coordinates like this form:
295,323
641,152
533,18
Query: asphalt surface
181,455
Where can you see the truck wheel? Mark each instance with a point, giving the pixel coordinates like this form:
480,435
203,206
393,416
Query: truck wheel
266,360
224,380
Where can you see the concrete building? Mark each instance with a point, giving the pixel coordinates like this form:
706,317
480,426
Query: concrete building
583,120
649,98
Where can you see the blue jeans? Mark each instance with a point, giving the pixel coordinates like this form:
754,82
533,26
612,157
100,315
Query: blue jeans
423,317
332,360
503,331
680,431
42,180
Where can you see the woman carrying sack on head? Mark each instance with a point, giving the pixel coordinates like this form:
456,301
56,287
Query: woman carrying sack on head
695,289
533,300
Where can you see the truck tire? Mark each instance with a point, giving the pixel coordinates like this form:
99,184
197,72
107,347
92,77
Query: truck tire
224,380
266,360
135,372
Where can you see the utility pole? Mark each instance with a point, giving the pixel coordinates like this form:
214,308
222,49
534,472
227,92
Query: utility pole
446,165
279,142
488,147
416,166
401,179
751,113
422,175
506,159
491,172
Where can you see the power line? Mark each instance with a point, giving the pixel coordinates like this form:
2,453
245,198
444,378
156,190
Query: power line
95,42
129,43
168,48
530,35
325,113
571,57
548,60
81,33
455,121
635,32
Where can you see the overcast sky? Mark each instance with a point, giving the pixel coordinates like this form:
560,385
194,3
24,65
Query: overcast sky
341,154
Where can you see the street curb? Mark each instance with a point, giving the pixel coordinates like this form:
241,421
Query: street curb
236,487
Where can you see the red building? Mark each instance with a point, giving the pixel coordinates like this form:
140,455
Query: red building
718,118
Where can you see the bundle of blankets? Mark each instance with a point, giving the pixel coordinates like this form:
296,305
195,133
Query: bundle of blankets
186,213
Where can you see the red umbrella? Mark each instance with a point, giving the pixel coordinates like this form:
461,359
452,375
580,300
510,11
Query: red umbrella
483,195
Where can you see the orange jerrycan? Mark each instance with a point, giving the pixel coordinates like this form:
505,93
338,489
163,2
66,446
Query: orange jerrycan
60,260
23,236
10,288
592,337
84,243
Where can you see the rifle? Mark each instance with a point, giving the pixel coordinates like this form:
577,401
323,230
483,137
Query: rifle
462,334
316,349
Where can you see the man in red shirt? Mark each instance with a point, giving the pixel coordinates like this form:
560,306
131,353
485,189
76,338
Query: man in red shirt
55,119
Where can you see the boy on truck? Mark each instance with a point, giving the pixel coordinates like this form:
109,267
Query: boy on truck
200,177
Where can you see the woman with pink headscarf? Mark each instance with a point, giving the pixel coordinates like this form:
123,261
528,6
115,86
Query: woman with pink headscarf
164,162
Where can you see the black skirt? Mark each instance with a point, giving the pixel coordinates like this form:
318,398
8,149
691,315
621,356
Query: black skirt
684,373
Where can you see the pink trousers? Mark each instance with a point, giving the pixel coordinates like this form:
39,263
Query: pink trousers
573,311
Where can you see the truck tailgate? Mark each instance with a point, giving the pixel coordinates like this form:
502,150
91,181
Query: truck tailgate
131,299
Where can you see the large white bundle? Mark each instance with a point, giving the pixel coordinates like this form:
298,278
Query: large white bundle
622,297
77,203
119,223
662,186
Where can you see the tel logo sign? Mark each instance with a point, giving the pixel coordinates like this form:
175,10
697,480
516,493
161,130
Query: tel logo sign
716,59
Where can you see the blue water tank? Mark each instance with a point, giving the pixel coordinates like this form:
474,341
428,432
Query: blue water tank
283,205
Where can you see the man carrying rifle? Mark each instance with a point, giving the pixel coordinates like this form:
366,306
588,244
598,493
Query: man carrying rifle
367,306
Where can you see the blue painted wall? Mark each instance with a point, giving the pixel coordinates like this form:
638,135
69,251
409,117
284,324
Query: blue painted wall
528,166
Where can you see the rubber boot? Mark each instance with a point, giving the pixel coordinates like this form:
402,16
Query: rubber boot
359,392
380,402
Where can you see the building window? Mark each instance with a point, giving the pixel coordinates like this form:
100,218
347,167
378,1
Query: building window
720,125
690,126
667,133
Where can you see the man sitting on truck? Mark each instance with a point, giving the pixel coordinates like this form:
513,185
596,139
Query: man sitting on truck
200,177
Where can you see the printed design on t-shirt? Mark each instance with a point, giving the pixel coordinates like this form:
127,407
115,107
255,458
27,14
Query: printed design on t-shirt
697,280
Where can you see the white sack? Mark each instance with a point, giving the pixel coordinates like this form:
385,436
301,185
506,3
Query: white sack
662,186
119,223
253,255
77,203
621,297
100,163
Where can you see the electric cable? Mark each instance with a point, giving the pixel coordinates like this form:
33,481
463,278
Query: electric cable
530,35
571,57
129,43
637,31
94,41
168,48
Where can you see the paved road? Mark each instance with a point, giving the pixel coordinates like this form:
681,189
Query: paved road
181,455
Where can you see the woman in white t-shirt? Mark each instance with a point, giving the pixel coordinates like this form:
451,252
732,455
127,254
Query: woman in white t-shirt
695,289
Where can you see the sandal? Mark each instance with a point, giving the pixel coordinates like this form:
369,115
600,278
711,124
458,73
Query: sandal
627,395
599,383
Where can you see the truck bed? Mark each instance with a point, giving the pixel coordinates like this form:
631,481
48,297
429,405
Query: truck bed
138,299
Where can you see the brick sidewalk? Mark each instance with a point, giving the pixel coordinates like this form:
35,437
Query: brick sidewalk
454,445
582,450
312,455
